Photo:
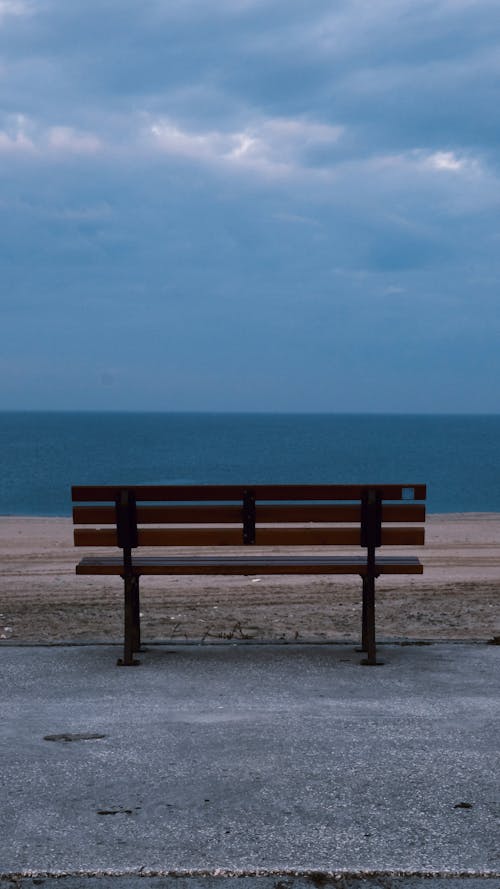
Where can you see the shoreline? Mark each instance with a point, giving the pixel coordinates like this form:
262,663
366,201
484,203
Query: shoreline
42,599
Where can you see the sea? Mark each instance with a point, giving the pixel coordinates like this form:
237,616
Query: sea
43,454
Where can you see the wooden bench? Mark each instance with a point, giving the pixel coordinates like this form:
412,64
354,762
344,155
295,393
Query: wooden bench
266,523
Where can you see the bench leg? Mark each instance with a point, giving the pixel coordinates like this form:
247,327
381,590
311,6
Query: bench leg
364,629
131,628
136,606
368,640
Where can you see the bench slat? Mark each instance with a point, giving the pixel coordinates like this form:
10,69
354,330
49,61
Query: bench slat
281,536
271,513
190,493
257,565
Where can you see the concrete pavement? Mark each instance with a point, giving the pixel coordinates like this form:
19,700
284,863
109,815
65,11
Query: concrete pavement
288,761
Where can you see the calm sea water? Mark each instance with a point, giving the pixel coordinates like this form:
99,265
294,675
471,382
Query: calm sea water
43,454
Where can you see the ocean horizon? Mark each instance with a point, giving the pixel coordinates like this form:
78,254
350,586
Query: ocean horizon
45,452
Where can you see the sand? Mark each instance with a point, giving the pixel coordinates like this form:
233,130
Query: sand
42,600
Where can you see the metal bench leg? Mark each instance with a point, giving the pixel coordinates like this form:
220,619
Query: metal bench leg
363,646
131,590
368,641
136,626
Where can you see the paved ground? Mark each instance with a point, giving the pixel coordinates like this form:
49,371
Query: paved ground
240,759
313,880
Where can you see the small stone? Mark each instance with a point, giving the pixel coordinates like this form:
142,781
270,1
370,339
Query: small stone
74,736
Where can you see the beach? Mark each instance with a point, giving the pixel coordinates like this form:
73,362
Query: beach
42,600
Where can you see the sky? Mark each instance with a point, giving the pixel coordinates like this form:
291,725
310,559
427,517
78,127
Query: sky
250,205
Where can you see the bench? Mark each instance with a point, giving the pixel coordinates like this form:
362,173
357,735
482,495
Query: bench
276,529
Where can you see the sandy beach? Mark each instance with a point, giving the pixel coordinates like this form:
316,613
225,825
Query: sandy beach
42,600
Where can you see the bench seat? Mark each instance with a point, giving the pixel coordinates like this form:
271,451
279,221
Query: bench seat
243,565
248,530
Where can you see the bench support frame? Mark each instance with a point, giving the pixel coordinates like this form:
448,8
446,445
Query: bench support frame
132,629
126,525
371,538
368,640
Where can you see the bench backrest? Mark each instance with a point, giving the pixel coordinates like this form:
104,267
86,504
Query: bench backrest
237,515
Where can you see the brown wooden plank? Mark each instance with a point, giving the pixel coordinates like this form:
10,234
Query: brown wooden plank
310,512
393,568
277,536
190,493
223,537
334,536
94,515
403,512
403,536
282,536
95,537
161,515
89,537
254,566
190,515
267,513
275,513
217,514
191,536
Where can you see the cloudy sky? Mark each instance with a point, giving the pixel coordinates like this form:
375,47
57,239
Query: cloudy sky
250,205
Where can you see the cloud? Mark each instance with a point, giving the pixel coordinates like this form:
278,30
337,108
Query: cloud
70,141
272,147
422,29
24,136
445,160
15,8
17,143
422,160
